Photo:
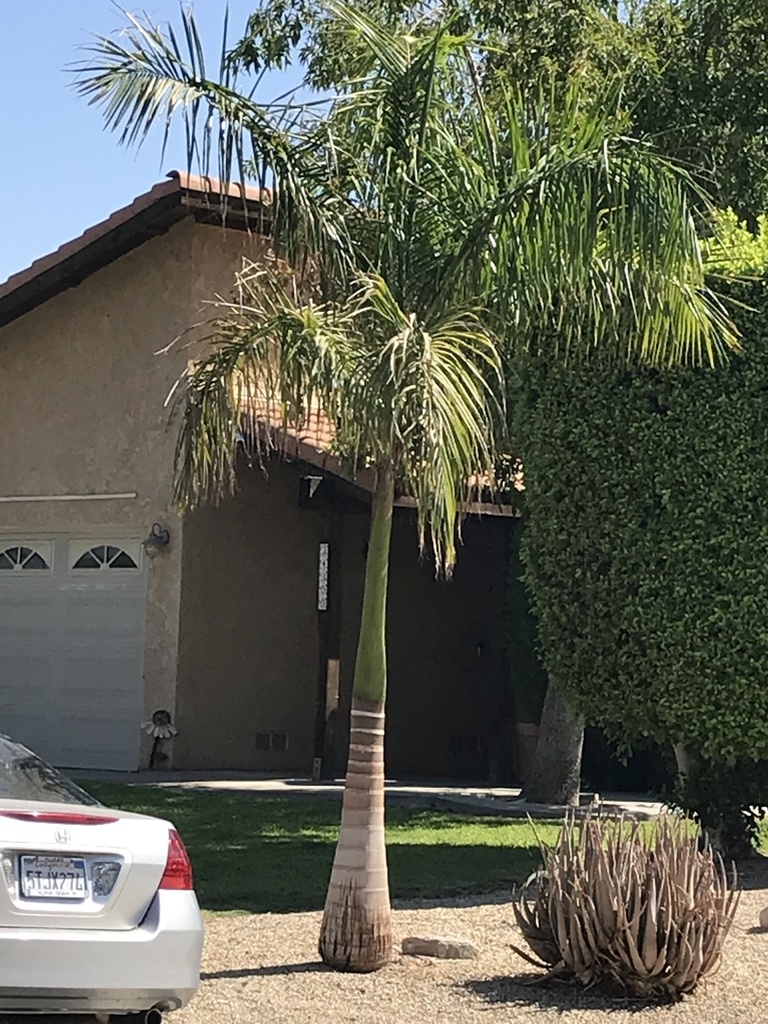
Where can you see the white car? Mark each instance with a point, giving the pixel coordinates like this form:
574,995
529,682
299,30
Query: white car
97,910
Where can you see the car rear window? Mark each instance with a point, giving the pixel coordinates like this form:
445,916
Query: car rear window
25,776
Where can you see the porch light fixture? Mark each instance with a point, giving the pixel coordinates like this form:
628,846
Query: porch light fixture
313,482
159,538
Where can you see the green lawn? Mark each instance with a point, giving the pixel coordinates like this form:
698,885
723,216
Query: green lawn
254,853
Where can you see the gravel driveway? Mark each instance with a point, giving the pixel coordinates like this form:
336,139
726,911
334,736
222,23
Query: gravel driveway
264,968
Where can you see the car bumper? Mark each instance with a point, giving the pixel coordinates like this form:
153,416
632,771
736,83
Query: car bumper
87,971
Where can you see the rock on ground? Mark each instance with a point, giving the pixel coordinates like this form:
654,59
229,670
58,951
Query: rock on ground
445,947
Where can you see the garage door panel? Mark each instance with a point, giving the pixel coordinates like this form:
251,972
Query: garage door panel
102,621
24,615
87,683
35,733
95,751
108,758
86,640
91,730
33,701
18,663
71,651
28,724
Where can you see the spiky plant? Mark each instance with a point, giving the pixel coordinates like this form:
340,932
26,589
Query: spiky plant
645,910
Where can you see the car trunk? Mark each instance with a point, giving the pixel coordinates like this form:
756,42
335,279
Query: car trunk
78,866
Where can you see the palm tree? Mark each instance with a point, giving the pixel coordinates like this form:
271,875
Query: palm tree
412,397
417,234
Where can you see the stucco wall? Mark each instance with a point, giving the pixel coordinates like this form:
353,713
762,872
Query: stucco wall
216,254
84,411
86,390
248,661
249,645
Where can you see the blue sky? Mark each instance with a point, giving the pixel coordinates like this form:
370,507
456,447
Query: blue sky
61,171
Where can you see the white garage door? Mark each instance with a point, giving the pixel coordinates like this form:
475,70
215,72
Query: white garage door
72,649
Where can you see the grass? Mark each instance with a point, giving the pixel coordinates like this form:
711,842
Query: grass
256,854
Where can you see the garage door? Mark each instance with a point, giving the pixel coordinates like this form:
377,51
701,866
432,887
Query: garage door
72,648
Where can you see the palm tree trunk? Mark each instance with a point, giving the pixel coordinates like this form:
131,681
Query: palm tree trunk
356,933
556,774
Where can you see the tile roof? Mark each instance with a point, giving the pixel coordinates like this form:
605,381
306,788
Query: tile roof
258,414
152,212
312,443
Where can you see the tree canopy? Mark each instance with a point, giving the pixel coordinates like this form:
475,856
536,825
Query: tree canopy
694,72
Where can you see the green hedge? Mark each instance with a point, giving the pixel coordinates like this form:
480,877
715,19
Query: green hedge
646,541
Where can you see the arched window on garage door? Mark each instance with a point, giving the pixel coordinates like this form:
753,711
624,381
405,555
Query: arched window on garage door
104,557
24,557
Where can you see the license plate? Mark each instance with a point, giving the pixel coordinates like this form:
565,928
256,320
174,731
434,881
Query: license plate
59,878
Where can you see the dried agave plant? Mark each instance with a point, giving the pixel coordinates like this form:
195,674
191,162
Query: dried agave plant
647,909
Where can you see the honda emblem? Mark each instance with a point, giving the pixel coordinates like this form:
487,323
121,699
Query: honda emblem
62,835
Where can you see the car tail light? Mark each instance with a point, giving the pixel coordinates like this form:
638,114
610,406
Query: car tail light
60,817
178,867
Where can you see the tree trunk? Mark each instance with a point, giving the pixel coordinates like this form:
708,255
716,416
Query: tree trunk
686,763
356,933
556,774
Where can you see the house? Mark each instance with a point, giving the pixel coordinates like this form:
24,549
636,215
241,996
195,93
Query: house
243,625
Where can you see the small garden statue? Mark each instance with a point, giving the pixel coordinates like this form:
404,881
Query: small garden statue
160,727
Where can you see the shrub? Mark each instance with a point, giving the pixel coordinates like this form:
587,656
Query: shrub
727,801
645,533
645,909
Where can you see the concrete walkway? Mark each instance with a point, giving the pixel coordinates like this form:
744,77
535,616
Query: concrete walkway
446,796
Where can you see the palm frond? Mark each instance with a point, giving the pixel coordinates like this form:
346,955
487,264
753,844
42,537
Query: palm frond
447,420
274,357
390,388
584,233
150,78
391,50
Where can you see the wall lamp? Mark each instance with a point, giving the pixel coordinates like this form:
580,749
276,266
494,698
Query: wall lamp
159,538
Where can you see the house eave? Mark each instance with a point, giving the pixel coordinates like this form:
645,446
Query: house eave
148,216
298,450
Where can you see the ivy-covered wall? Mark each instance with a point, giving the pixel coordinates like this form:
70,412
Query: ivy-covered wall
646,541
